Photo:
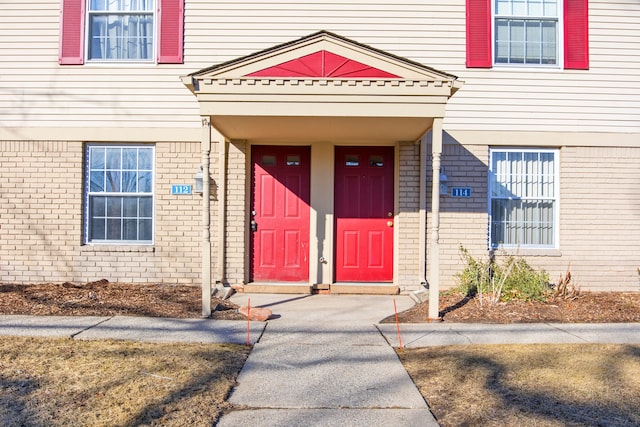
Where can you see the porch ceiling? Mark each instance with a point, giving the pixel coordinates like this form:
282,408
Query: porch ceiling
303,129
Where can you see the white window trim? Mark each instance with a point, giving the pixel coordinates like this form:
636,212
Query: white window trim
85,199
559,48
111,62
556,213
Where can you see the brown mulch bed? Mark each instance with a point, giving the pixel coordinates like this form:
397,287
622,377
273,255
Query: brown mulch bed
587,307
103,298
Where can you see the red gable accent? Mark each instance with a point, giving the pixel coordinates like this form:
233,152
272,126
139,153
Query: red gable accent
322,64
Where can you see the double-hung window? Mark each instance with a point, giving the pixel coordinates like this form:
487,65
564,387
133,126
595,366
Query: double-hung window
526,32
121,30
523,189
119,194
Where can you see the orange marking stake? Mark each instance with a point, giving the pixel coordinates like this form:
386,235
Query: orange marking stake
397,323
248,322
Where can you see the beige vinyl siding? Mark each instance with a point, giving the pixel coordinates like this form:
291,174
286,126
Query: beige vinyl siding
36,91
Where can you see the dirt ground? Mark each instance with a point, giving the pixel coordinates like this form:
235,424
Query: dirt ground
103,298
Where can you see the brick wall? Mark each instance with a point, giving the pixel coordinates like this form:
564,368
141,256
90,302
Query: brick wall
41,219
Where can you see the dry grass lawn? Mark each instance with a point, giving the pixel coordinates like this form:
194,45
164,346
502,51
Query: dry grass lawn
529,385
62,382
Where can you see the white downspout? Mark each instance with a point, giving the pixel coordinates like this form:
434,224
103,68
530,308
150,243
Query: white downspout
222,203
206,218
434,255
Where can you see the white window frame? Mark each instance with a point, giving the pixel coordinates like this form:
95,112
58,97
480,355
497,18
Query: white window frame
558,18
90,191
152,12
496,194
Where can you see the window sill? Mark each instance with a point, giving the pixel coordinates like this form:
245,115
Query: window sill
542,252
117,248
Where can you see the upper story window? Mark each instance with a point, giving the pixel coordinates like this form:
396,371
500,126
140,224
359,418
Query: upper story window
121,31
526,32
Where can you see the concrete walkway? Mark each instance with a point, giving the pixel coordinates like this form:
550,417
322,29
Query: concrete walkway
322,359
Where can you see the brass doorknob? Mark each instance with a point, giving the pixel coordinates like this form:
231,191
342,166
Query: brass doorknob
390,223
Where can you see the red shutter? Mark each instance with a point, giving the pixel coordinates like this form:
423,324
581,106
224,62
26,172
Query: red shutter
71,32
479,34
576,34
170,30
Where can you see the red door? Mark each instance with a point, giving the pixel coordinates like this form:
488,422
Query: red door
364,214
280,213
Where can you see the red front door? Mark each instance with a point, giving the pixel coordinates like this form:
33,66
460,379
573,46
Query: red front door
364,214
280,213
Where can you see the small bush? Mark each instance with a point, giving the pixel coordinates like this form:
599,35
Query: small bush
513,279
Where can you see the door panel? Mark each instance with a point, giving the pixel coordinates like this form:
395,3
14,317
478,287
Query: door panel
280,210
364,214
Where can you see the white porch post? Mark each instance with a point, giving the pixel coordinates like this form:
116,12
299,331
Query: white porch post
434,255
206,218
422,214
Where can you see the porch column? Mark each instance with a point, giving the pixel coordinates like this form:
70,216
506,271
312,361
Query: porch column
434,255
422,214
206,218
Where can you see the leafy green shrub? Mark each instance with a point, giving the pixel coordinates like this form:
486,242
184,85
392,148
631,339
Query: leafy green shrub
513,279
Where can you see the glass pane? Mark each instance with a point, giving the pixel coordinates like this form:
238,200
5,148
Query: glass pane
502,41
146,207
97,158
533,36
130,207
293,160
113,182
97,229
352,160
144,229
145,158
129,181
503,7
130,229
144,182
519,8
97,181
535,8
268,160
376,161
97,207
114,229
114,158
130,158
549,38
114,206
550,8
516,45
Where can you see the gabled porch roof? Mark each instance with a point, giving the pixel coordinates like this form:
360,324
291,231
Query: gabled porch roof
322,87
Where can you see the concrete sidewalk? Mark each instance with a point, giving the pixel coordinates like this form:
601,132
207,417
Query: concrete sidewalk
150,329
440,334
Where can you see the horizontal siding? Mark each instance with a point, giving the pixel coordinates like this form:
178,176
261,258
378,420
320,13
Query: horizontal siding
36,91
